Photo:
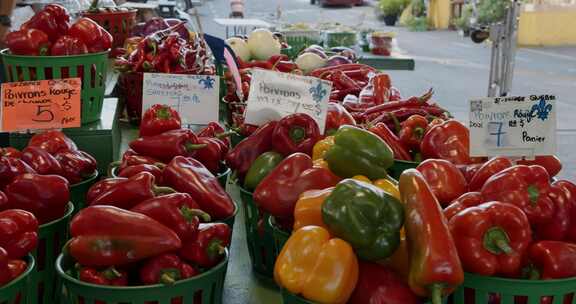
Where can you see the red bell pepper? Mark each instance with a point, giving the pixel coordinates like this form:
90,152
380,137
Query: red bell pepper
551,163
18,232
5,275
110,236
285,66
3,201
68,45
378,284
29,42
449,140
278,192
41,161
212,155
46,196
491,238
486,170
552,260
76,165
109,276
241,157
569,190
17,267
336,117
10,168
93,35
527,187
274,59
135,169
10,152
209,247
557,228
131,192
382,84
159,119
399,149
469,170
165,269
214,129
445,180
412,131
52,141
188,175
295,133
52,19
131,158
466,200
100,187
166,146
177,211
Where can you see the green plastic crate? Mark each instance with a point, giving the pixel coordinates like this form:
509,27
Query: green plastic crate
205,288
290,298
78,192
400,166
16,292
45,286
333,39
280,236
90,67
260,241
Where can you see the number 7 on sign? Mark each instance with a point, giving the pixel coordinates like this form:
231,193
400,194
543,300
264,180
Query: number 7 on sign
498,133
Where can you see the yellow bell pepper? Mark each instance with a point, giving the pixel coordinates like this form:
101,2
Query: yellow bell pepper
383,184
319,268
400,260
308,209
321,147
320,163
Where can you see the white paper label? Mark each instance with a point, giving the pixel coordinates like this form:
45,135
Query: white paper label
274,95
513,126
195,97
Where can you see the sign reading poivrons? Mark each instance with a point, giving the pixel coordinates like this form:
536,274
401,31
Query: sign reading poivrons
513,126
274,95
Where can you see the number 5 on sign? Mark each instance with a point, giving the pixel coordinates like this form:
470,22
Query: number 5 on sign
42,104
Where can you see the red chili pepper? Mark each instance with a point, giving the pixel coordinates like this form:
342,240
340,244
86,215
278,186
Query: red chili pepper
10,152
110,236
18,232
491,238
209,247
76,165
52,141
569,190
551,163
489,168
277,58
341,67
212,155
130,158
135,169
285,66
381,89
165,269
295,133
46,196
394,105
166,146
109,276
177,211
469,199
260,64
557,228
336,117
552,260
214,129
30,42
241,157
400,151
445,180
5,275
343,82
10,168
378,284
100,187
52,19
93,35
413,130
527,187
449,141
68,45
41,161
188,175
132,191
359,74
159,119
278,192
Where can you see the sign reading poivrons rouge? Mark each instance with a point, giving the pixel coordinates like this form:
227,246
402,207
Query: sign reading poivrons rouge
42,104
513,126
274,95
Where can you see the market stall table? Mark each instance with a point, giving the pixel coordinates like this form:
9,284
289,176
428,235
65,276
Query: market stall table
395,61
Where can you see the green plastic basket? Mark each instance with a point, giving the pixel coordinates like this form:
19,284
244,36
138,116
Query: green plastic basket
90,67
290,298
46,287
205,288
400,166
260,241
16,292
290,51
280,236
347,39
483,290
78,192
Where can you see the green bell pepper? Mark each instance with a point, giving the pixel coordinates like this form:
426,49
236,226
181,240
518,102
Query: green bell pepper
366,217
261,166
359,152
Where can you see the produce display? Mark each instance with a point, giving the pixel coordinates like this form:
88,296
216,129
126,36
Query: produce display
18,237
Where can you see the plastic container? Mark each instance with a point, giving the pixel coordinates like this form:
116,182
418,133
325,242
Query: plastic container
130,86
118,24
16,292
91,68
381,43
280,236
78,192
347,39
299,40
400,166
205,288
45,284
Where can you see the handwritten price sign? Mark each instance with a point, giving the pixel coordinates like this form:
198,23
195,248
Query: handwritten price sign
42,104
513,126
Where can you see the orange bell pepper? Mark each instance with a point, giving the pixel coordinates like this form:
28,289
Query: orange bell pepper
384,184
320,163
321,147
319,268
400,260
308,210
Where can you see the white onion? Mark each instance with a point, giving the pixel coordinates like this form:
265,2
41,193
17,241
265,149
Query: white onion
308,62
240,48
263,45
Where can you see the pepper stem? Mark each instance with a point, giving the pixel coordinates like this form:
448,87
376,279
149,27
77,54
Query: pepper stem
215,249
297,134
418,133
224,134
111,273
436,293
158,191
189,147
497,241
533,194
190,213
169,276
93,6
164,113
533,274
397,125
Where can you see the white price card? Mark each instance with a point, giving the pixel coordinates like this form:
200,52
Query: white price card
274,95
195,97
523,126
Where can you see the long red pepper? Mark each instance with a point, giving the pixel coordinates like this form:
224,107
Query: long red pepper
400,151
